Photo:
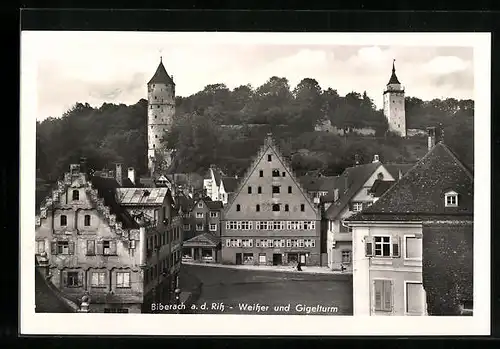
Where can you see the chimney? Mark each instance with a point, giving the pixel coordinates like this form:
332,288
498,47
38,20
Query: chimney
131,174
431,137
119,174
375,158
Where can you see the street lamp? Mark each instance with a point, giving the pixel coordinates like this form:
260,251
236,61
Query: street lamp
177,299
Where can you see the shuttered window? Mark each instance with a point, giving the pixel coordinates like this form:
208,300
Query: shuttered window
383,295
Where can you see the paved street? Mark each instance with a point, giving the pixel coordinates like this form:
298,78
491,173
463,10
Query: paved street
225,290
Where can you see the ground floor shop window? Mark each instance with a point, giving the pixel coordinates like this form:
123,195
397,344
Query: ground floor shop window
262,258
303,258
186,253
247,258
206,253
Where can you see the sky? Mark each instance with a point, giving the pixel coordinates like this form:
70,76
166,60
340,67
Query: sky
114,67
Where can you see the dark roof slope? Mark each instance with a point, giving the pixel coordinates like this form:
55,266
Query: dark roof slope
106,189
394,78
315,183
420,193
349,183
45,299
379,187
161,76
230,184
214,205
127,183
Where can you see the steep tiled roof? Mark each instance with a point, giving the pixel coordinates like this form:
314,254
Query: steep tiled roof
127,183
230,184
214,205
315,183
45,299
184,202
106,188
379,187
420,193
394,78
193,179
354,178
161,76
141,196
205,239
395,169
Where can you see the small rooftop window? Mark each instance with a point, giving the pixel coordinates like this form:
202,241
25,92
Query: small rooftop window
451,199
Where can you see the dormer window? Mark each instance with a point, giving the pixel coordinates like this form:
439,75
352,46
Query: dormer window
451,199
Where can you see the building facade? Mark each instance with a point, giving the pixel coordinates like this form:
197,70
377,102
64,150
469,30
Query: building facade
270,220
161,111
412,249
394,105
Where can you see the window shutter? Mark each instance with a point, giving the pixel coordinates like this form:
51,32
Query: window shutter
257,243
80,278
368,246
378,289
53,247
71,247
65,278
388,295
100,248
250,243
395,246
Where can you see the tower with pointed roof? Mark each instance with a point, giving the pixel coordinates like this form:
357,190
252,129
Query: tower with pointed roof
161,111
394,104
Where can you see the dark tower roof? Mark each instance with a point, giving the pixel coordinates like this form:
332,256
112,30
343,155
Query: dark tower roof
394,78
161,76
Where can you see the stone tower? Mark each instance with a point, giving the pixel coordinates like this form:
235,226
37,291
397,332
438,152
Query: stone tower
161,111
394,104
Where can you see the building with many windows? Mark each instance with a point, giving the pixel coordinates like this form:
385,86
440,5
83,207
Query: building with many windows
93,245
271,219
412,249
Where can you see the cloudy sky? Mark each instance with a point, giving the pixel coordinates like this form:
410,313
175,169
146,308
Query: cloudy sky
98,67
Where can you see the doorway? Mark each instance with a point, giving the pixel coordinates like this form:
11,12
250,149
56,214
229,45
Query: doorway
238,258
277,259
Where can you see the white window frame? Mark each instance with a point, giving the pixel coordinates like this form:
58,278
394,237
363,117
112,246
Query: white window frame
123,284
200,204
412,236
199,215
214,214
355,204
451,195
390,245
405,294
214,226
99,274
197,225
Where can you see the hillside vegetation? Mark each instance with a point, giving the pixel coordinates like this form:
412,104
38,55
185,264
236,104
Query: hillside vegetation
116,133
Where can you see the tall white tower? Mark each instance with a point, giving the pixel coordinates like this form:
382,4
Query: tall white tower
161,111
394,104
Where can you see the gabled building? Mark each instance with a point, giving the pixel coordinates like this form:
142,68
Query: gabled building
92,245
412,249
271,220
318,186
351,195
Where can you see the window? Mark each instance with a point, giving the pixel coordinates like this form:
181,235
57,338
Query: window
383,246
357,206
257,208
187,227
63,220
86,220
98,279
286,208
108,248
213,227
415,298
40,246
261,173
346,256
413,247
276,207
72,279
269,157
200,205
276,173
199,214
249,190
213,214
302,207
90,248
123,279
262,258
63,247
383,295
451,199
289,189
199,227
283,174
276,189
76,195
238,207
259,190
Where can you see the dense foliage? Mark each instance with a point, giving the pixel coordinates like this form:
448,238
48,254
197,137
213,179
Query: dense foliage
226,127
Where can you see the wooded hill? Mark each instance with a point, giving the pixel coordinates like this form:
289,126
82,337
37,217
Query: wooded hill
116,133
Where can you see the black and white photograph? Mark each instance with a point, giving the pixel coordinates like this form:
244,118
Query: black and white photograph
255,183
